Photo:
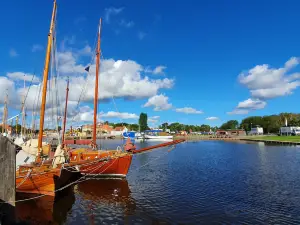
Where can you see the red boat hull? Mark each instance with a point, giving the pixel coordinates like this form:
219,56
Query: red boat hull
112,165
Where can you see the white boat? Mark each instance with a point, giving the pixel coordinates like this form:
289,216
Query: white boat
156,134
146,136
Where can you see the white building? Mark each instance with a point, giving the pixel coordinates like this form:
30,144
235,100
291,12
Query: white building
289,130
118,131
256,131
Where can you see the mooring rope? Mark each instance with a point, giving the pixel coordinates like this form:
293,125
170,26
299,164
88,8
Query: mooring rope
81,179
60,189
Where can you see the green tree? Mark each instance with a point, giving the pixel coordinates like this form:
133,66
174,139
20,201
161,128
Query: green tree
231,124
205,128
134,127
143,121
164,126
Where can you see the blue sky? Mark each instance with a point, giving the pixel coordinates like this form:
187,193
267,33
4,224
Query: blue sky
205,61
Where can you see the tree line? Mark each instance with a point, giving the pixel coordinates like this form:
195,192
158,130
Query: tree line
270,123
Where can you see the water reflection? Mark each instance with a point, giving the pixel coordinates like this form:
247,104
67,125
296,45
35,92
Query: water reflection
45,210
104,200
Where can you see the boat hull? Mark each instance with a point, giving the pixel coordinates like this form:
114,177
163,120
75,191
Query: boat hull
109,163
43,181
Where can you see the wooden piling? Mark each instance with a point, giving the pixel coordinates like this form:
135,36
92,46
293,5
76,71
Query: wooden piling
7,180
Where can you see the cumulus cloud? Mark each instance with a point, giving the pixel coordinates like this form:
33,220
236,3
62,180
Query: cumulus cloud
212,118
265,82
238,112
159,102
23,76
122,79
248,105
153,119
37,47
110,12
118,78
159,70
13,53
121,115
252,104
8,86
67,63
188,110
86,51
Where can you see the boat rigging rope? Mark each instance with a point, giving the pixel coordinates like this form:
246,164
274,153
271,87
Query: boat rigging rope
82,179
84,87
25,178
60,189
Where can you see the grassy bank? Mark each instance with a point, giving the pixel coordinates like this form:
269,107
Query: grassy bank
277,138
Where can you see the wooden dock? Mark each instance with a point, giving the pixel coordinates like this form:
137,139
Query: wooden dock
7,180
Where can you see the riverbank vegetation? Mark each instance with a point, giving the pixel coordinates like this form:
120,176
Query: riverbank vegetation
277,138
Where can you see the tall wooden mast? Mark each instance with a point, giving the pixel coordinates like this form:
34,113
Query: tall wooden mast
23,111
4,114
96,85
65,114
45,77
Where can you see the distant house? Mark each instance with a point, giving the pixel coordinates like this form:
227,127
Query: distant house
101,128
231,132
256,131
289,130
7,128
119,130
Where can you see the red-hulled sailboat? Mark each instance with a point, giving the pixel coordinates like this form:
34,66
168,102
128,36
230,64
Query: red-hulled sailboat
112,163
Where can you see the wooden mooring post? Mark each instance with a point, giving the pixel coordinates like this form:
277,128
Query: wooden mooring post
7,181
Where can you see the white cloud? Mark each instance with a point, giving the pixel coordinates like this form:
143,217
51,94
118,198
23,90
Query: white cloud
252,104
117,78
8,86
212,118
111,11
265,82
268,93
248,105
159,70
86,51
126,24
13,53
36,47
121,115
67,63
159,102
238,112
153,119
23,76
141,35
188,110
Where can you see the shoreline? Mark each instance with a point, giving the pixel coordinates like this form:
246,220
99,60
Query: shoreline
265,139
240,138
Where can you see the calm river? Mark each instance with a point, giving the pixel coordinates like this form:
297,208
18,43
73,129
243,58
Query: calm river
206,182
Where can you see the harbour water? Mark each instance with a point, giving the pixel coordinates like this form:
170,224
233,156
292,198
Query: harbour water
205,182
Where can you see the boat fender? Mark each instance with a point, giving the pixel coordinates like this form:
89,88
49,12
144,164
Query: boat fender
129,146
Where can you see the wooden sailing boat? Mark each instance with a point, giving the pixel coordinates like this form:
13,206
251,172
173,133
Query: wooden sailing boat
41,177
112,163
